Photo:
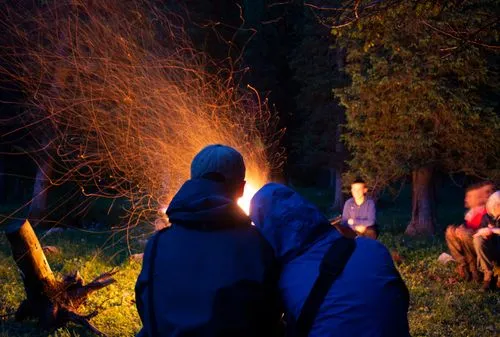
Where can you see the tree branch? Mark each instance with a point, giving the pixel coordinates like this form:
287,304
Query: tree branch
456,37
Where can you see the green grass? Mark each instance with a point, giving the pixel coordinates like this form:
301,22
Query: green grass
90,254
440,304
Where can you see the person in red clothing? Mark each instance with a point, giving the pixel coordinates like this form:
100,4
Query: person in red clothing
460,238
476,202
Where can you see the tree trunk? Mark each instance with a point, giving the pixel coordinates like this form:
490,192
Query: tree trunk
52,301
38,205
423,203
338,201
3,191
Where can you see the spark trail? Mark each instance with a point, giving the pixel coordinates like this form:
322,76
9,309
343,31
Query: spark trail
121,100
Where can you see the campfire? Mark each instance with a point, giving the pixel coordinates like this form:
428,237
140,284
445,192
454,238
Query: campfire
244,201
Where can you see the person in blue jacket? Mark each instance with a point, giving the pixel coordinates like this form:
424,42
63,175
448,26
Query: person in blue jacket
211,273
369,298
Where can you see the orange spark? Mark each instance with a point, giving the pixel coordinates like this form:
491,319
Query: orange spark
120,91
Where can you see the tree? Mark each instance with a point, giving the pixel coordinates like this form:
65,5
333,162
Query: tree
421,97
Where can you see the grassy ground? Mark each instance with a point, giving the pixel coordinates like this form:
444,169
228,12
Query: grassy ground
440,304
90,254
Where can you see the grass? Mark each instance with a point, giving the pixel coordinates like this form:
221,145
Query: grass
440,304
91,254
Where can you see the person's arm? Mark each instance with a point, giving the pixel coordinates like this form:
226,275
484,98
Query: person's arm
345,230
141,287
485,221
367,219
345,214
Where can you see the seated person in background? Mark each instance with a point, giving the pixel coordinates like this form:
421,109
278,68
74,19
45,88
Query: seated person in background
359,211
368,298
459,238
487,242
211,273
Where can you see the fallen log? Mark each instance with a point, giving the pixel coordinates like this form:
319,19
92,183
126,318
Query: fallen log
52,301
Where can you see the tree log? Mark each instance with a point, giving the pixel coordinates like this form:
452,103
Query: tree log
54,302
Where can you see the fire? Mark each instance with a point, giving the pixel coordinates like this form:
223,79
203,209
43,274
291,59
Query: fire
111,53
248,193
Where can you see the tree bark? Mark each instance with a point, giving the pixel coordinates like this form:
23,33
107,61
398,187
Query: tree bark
338,201
3,192
38,205
423,204
52,301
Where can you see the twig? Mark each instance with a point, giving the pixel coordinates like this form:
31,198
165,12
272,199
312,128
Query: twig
82,320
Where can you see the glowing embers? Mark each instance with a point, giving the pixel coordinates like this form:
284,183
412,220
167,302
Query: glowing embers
244,201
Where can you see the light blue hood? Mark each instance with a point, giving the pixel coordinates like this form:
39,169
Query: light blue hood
290,223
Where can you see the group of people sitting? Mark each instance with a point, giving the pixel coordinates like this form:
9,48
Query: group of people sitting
214,273
285,270
475,245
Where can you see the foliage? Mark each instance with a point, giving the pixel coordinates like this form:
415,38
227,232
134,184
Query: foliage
423,88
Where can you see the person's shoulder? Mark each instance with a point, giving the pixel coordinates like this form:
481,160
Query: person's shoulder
349,201
369,201
253,240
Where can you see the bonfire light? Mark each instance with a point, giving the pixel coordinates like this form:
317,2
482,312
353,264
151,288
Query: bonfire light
154,103
248,193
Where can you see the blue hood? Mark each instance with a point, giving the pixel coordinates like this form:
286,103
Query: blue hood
290,223
204,204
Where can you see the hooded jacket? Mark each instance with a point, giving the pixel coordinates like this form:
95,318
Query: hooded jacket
213,272
369,298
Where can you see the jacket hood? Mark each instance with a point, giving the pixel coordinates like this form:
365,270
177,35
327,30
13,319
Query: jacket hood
290,223
204,204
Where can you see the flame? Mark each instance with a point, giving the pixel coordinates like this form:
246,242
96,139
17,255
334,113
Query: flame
244,201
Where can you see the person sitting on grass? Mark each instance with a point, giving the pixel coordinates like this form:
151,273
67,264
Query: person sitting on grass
359,212
211,273
366,296
486,242
459,238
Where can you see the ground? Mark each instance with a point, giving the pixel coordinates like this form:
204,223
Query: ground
441,305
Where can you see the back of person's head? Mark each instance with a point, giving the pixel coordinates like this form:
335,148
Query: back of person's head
493,205
222,164
289,222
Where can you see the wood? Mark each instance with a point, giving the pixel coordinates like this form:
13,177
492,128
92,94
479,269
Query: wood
423,205
338,202
38,206
35,271
54,302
